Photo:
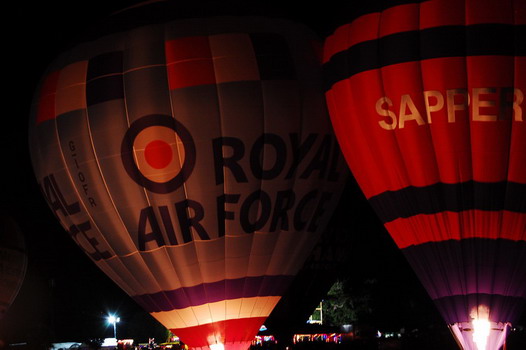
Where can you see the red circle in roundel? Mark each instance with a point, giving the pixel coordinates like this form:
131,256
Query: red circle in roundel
158,154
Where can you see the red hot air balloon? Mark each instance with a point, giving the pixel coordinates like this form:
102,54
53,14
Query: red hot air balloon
194,162
13,262
427,101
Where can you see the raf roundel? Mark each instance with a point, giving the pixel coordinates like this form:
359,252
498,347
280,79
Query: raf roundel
158,153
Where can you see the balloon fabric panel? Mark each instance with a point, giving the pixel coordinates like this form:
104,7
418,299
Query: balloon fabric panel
12,271
13,262
193,163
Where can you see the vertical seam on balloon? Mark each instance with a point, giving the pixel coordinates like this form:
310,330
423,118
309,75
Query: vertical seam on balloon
225,233
382,87
165,39
225,237
66,219
163,251
294,181
146,198
260,83
72,184
438,218
254,234
264,234
503,212
421,78
139,254
103,181
170,101
100,173
197,245
291,183
414,230
144,191
472,214
262,157
401,171
101,262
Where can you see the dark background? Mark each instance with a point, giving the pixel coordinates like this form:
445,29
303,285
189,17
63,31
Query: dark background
66,298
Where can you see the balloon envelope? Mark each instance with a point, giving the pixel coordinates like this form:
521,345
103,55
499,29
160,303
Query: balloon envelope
427,101
13,262
193,161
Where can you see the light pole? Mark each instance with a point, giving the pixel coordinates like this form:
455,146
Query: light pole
112,319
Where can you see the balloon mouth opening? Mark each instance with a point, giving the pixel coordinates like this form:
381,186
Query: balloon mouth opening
480,333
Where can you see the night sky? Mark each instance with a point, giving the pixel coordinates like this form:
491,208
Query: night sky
64,294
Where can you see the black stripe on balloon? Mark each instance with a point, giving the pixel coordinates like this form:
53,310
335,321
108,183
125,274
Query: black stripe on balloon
470,265
248,287
440,197
502,308
105,64
273,57
104,80
462,274
438,42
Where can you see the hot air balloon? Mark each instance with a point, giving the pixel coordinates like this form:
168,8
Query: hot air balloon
13,262
194,162
427,101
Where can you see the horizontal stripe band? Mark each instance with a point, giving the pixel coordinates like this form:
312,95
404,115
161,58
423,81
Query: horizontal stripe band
470,266
12,250
212,292
226,332
447,225
459,308
438,42
441,197
216,312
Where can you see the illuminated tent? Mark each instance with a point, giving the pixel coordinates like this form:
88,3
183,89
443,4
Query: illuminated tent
13,262
427,101
194,162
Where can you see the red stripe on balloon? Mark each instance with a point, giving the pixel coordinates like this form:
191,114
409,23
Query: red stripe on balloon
189,62
46,102
242,330
402,18
435,148
442,13
363,29
444,226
